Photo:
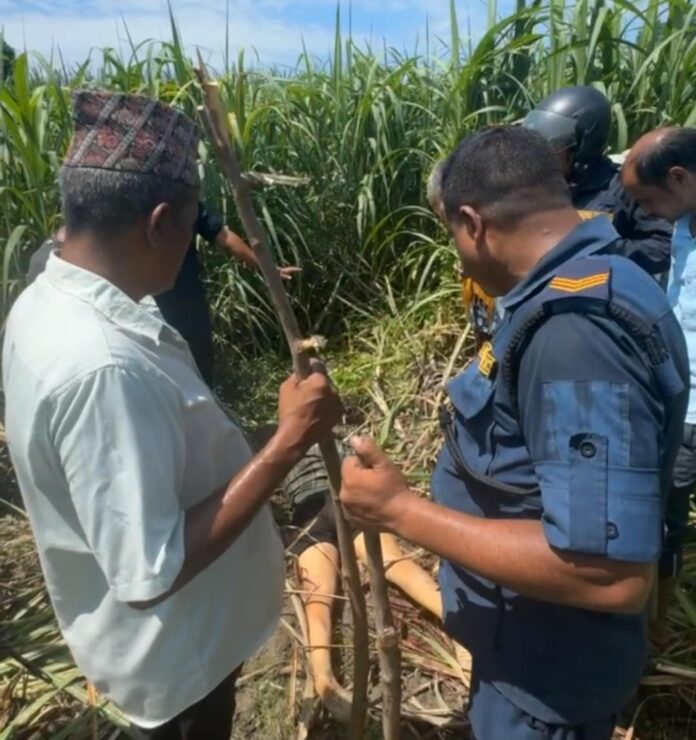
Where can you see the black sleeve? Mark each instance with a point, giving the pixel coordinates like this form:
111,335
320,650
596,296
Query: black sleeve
644,239
208,225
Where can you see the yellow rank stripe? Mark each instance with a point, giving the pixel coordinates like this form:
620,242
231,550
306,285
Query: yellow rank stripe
575,285
487,361
587,215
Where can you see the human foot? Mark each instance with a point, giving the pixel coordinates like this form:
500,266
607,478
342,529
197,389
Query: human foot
335,698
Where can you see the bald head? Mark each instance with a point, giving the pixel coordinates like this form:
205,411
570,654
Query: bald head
648,142
660,172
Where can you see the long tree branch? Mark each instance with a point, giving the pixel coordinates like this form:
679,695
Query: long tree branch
215,120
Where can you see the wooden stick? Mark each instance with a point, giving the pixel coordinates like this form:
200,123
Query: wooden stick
387,640
215,121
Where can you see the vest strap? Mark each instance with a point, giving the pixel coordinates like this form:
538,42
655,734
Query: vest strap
464,471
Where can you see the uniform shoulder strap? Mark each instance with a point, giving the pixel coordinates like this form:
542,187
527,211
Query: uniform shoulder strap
582,286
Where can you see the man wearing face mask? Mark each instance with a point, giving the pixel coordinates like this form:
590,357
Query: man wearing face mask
576,122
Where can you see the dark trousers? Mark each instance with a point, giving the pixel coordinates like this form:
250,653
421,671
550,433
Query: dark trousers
208,719
186,309
677,512
493,717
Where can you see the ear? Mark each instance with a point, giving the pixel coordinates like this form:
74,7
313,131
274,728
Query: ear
159,224
679,175
472,222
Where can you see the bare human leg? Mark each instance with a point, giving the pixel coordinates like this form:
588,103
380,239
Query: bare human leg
405,573
402,571
318,568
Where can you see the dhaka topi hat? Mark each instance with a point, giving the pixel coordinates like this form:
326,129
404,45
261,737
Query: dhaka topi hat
133,133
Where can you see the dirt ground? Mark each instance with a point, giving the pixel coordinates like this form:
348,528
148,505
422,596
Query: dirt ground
271,703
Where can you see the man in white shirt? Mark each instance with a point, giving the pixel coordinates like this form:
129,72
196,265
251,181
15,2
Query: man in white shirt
159,551
660,173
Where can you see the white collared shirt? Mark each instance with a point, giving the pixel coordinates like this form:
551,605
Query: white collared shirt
114,436
681,293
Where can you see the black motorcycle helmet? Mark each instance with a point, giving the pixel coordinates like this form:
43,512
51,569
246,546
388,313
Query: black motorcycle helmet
577,118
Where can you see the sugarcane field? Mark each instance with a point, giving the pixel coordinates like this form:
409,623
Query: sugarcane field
348,370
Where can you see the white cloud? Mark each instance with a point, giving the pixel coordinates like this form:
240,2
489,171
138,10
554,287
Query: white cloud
44,26
275,29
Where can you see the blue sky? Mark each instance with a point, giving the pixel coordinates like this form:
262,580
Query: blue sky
274,28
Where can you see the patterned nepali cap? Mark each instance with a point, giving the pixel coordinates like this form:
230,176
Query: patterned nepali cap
133,133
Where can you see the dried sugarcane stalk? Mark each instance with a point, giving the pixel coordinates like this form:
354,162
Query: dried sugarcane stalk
387,640
216,123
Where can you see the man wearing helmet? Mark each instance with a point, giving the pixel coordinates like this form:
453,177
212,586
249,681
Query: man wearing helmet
576,123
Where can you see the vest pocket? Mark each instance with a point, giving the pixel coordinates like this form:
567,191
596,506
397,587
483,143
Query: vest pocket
478,484
471,392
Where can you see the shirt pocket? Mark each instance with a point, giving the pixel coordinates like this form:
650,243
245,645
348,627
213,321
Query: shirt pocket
594,501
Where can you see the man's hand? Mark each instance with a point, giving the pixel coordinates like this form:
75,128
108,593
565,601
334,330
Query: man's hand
374,491
237,248
287,272
307,409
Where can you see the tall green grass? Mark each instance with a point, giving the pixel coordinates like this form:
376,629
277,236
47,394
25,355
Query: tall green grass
365,126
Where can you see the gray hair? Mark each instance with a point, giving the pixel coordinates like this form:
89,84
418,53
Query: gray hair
433,190
106,201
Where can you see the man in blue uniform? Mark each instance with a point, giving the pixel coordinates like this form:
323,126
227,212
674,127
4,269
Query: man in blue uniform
576,123
548,495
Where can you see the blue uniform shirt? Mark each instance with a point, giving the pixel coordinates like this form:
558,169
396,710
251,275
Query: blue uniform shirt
587,452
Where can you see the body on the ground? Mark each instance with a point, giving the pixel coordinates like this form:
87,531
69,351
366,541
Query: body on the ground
312,538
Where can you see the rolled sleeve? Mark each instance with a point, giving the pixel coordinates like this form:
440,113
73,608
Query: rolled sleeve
592,422
119,437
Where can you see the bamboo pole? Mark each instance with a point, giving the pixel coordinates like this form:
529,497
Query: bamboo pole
215,121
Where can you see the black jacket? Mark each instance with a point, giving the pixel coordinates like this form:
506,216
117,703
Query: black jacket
185,306
644,239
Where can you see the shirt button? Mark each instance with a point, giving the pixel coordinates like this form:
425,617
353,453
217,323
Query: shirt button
612,531
588,450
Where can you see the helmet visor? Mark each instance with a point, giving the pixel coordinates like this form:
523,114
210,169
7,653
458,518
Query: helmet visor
559,131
